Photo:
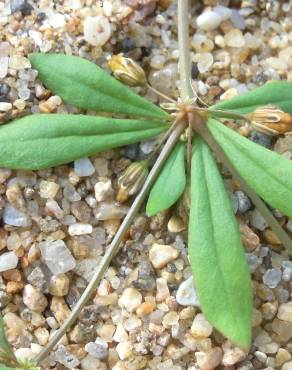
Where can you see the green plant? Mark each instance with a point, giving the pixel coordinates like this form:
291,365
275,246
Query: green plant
216,253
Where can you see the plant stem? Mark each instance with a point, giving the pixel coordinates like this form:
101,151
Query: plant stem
199,125
184,54
114,246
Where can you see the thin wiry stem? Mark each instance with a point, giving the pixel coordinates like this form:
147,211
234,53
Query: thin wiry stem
187,91
112,249
159,93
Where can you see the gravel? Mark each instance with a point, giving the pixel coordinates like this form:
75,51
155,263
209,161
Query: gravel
56,223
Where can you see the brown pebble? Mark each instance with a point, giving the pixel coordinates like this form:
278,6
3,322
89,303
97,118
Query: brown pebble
164,4
77,350
249,238
24,262
12,275
145,308
14,287
60,309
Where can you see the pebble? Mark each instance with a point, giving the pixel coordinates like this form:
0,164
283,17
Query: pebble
83,167
224,12
170,319
124,350
262,357
64,357
79,229
120,334
186,294
175,224
34,299
103,190
162,291
14,217
42,335
234,38
20,6
57,256
8,261
160,255
282,356
287,366
257,220
249,238
91,363
86,268
59,285
272,277
38,279
5,107
18,62
201,328
110,211
244,203
59,309
97,349
204,61
209,360
4,62
48,189
97,30
232,355
71,194
130,299
145,308
209,21
285,312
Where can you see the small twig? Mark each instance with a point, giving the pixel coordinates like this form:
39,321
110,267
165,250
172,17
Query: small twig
114,246
199,125
159,93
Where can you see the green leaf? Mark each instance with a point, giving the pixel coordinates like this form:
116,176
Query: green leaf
273,93
170,183
3,367
87,86
267,172
216,254
4,344
46,140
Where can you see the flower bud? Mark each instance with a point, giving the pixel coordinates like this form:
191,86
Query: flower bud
127,71
271,119
132,180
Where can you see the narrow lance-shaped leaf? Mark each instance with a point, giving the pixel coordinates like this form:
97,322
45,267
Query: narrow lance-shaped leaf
272,93
267,172
170,183
87,86
216,254
46,140
4,345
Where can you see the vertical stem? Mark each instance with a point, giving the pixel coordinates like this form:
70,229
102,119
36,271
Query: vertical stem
114,246
184,53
